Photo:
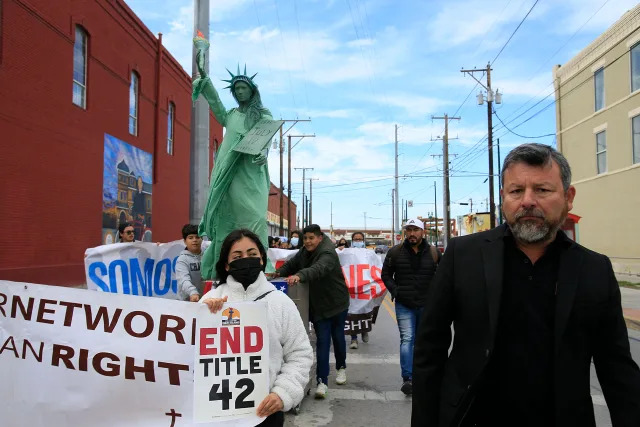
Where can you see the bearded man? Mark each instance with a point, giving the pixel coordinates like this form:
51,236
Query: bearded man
530,309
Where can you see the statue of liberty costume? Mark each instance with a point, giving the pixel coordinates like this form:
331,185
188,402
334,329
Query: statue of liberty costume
239,184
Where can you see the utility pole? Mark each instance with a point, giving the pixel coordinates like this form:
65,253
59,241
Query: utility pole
499,182
445,178
490,98
294,122
435,210
310,212
289,174
199,146
393,217
365,225
304,203
397,199
331,227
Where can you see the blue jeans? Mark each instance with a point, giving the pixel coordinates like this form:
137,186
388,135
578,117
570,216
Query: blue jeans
408,320
326,331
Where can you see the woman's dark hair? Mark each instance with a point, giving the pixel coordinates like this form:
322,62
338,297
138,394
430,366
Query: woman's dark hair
346,244
225,250
121,228
270,241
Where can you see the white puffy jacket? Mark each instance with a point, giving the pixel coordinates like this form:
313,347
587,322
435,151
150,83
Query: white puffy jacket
290,352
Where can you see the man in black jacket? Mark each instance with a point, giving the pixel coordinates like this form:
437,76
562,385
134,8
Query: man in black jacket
317,264
407,272
531,309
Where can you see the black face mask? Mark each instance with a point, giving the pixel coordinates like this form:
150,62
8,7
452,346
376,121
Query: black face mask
245,270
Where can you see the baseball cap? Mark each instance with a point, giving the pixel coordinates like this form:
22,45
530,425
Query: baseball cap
415,223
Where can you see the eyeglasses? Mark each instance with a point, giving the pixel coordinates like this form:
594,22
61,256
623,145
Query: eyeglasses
129,232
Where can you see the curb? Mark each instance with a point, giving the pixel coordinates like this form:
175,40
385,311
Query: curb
632,323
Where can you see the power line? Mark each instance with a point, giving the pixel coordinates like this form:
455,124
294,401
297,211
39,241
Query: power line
517,134
514,31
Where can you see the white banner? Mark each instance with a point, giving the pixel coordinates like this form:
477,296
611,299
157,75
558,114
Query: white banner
232,361
137,268
362,270
69,357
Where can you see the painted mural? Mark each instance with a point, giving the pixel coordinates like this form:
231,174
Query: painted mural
126,192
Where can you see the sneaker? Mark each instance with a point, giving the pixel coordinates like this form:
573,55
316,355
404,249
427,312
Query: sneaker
341,377
407,387
321,391
353,345
365,337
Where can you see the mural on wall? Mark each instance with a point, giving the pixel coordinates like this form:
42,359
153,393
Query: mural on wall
126,190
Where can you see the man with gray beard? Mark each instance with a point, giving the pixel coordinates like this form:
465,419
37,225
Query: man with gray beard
531,309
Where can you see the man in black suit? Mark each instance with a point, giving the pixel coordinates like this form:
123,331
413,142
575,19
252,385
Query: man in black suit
530,309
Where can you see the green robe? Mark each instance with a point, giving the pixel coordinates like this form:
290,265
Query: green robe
238,189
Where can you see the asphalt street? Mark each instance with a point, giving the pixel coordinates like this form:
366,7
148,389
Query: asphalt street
372,395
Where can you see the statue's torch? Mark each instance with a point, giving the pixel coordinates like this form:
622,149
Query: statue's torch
202,46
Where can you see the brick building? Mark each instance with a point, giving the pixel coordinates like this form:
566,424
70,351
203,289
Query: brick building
76,76
273,213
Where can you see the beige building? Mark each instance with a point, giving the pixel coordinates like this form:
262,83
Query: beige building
598,128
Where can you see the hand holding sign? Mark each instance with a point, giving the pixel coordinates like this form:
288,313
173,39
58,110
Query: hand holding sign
271,404
215,304
293,280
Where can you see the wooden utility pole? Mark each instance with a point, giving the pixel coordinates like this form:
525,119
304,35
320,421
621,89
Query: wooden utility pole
445,178
304,202
310,212
490,98
289,175
281,149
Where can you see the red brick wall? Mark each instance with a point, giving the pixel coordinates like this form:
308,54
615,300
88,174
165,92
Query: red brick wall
51,152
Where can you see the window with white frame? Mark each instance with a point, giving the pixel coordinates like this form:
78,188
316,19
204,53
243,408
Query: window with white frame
133,103
80,68
601,151
635,137
635,67
598,79
170,121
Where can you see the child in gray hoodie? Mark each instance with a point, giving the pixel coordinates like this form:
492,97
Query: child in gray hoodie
190,285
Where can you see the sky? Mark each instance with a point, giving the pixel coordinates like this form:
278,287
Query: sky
357,68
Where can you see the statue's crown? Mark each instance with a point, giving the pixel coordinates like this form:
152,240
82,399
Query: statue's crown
240,77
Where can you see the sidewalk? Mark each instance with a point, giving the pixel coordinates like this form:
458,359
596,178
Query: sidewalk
631,307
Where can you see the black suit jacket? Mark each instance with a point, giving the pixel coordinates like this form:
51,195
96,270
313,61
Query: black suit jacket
466,291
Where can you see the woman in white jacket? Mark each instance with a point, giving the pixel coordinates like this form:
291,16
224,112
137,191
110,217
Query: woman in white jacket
240,271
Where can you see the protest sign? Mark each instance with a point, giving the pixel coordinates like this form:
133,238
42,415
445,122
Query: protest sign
362,270
69,357
137,268
232,361
259,137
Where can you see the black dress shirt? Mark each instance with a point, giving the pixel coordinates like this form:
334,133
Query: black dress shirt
518,383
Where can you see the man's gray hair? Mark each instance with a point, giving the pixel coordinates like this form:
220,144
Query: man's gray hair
535,154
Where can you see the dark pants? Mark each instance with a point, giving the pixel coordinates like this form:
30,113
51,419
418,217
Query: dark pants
274,420
327,330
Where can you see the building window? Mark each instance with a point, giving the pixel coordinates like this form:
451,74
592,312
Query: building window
170,120
598,79
80,68
133,103
635,128
635,67
601,151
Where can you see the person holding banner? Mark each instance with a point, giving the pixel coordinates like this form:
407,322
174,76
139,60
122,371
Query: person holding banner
296,241
126,233
190,285
357,239
240,269
318,265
